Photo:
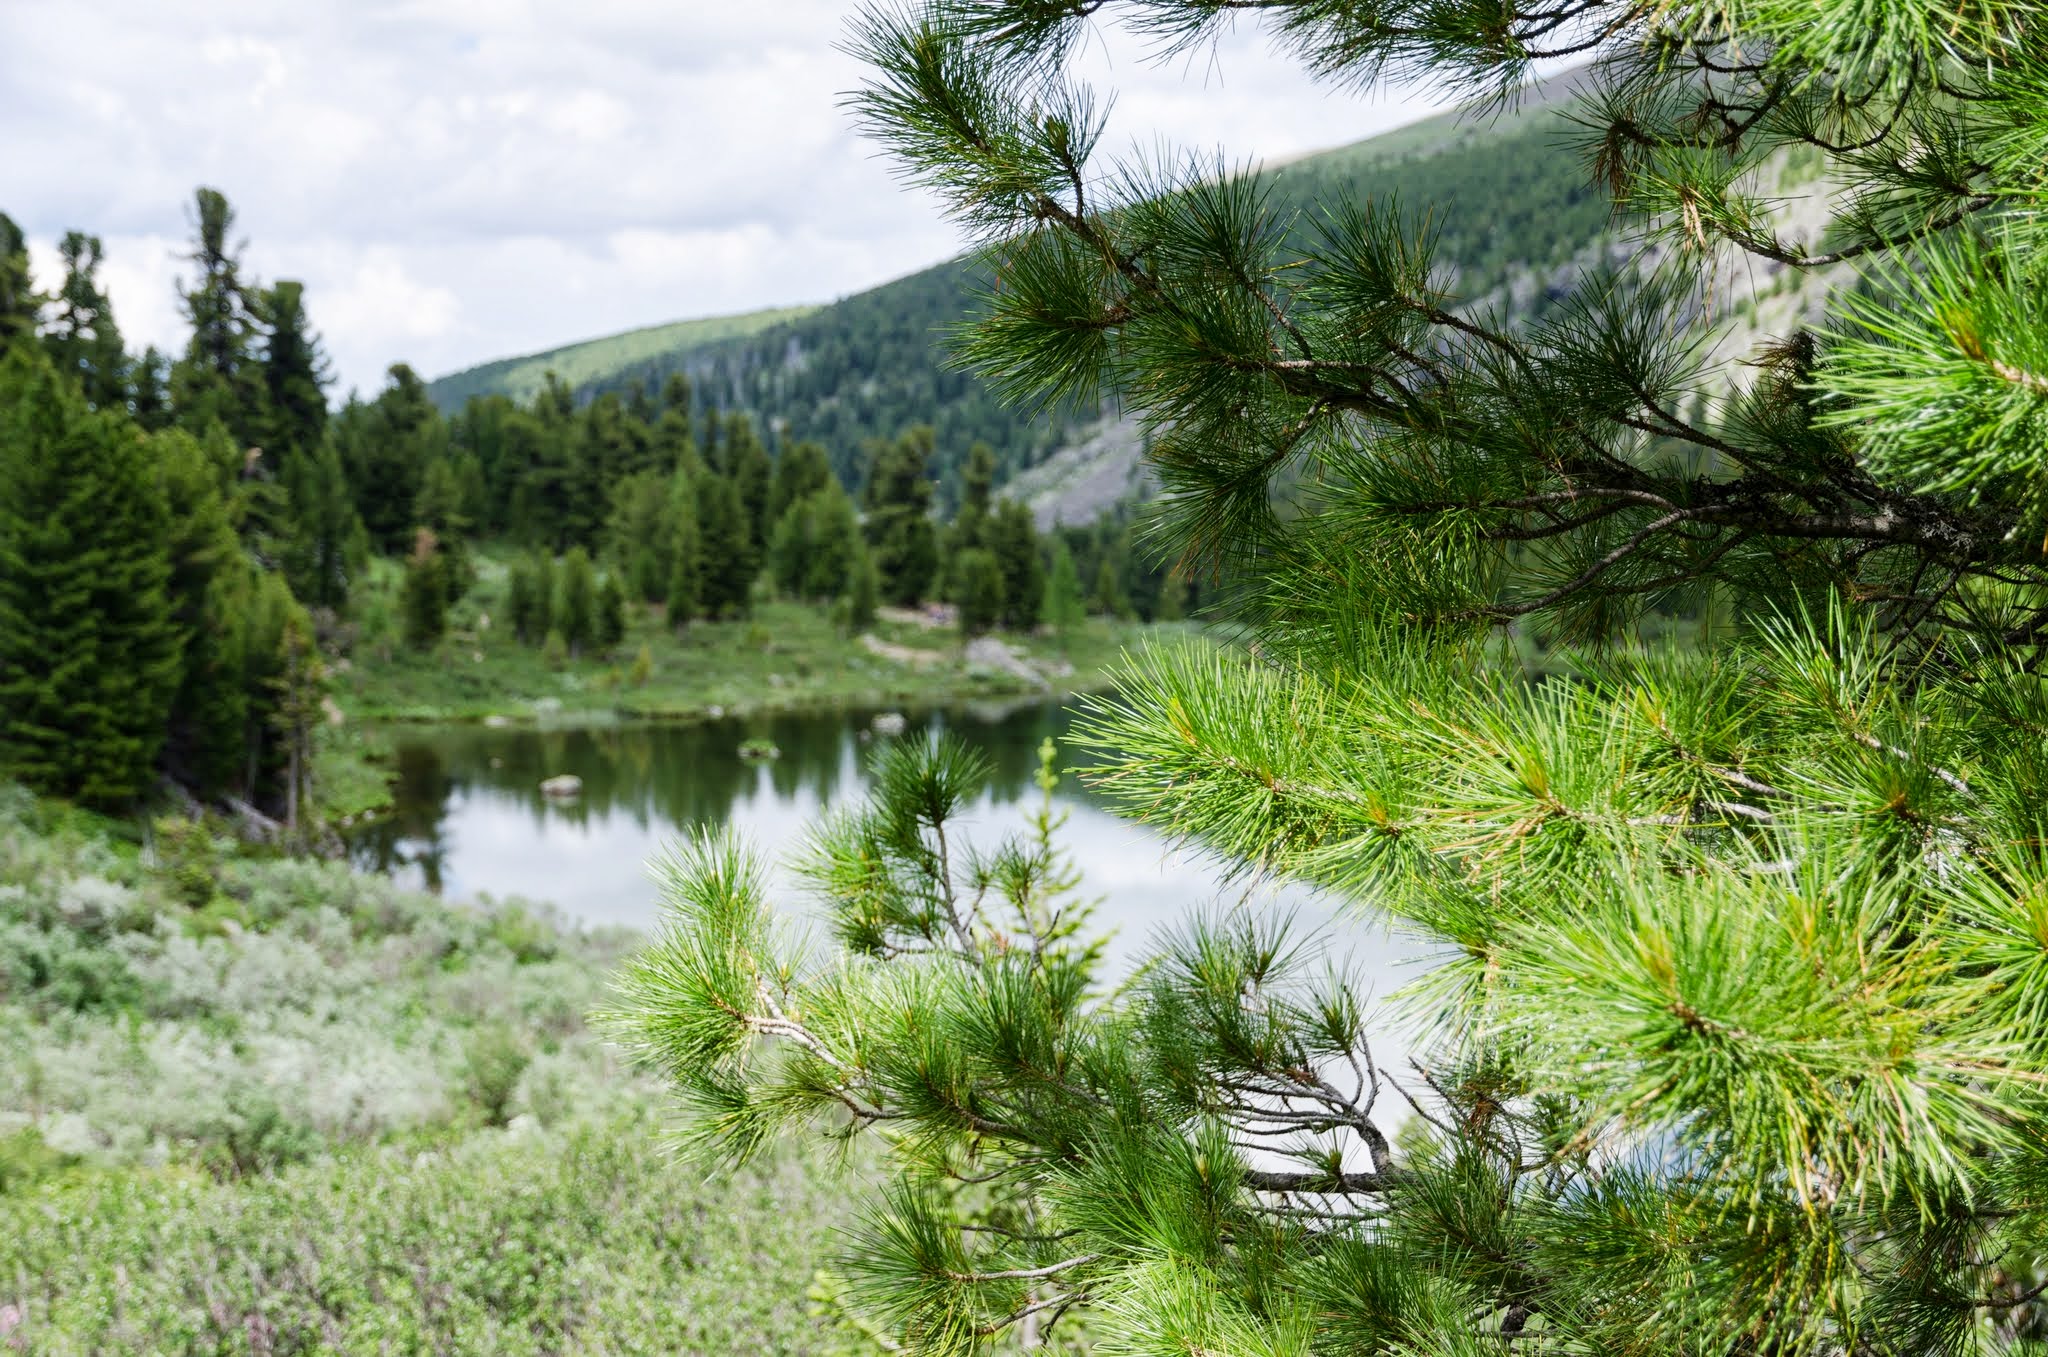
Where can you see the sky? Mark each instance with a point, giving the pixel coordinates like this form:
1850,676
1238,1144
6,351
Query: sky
461,180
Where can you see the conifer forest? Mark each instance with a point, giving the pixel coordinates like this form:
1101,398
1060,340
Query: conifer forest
1431,746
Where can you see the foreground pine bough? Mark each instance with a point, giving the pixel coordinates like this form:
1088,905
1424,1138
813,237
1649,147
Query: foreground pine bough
1740,1016
1739,1012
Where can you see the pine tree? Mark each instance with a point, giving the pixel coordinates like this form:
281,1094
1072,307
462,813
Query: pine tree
899,526
609,624
521,596
685,592
575,614
752,482
88,652
727,563
1013,539
298,693
978,590
1064,611
801,471
220,379
425,599
328,547
296,375
863,590
835,543
386,447
82,338
150,390
211,594
1735,1039
21,307
1107,598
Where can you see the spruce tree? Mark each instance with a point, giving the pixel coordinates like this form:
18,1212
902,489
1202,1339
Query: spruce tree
88,651
82,338
520,598
1732,1039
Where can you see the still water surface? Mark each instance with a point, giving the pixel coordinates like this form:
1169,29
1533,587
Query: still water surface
470,819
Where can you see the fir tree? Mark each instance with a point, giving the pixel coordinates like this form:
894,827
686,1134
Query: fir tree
297,708
88,651
521,598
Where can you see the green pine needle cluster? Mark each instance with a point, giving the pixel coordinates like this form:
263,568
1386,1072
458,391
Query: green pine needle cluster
1733,1037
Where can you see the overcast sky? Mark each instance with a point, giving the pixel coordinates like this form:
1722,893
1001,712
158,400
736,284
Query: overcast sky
460,180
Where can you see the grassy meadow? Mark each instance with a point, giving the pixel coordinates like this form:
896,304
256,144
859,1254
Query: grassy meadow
785,656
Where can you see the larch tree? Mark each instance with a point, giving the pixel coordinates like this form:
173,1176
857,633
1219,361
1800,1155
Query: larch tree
1734,1036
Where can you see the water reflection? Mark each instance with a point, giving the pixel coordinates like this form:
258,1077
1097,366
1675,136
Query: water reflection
471,819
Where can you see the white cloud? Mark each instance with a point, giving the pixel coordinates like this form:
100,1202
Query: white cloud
456,180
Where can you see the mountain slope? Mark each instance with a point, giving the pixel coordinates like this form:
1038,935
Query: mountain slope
1517,222
594,360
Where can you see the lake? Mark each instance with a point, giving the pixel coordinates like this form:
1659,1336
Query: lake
470,819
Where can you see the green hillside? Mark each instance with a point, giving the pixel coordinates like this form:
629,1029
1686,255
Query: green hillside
594,360
1513,217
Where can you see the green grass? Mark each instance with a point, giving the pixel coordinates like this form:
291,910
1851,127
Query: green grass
594,360
503,1243
255,1105
787,656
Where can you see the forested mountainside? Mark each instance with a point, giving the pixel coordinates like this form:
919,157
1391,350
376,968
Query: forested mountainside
1515,220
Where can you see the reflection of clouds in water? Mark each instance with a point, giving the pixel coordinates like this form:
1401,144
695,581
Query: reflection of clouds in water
497,836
